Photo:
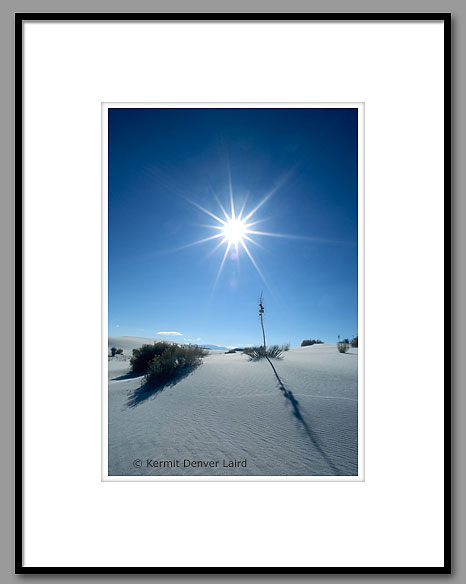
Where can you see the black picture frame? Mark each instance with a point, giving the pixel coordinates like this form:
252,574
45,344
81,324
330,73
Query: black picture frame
20,18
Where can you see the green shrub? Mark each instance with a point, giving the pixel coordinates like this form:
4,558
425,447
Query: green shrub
172,363
257,353
343,346
310,342
144,355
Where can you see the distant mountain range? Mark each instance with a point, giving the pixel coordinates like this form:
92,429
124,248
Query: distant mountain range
214,347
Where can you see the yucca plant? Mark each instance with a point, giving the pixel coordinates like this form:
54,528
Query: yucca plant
264,352
261,316
256,353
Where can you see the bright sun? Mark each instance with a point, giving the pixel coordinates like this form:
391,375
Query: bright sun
234,231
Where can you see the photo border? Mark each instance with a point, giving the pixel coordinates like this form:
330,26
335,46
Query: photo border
20,18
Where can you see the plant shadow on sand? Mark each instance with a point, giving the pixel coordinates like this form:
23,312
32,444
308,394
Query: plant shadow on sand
298,415
126,376
146,391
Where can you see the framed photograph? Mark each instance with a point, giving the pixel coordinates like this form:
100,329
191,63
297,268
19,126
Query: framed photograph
239,218
232,229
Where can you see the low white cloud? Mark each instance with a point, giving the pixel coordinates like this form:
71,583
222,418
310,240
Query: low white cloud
172,333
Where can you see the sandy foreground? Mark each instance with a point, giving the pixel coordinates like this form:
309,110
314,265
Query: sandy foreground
234,417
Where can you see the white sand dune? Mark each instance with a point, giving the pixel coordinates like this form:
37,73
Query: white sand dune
299,420
130,343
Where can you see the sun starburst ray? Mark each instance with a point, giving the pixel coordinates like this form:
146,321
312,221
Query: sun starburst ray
240,215
222,208
253,241
216,236
270,194
263,201
210,226
222,264
206,211
257,222
232,205
245,247
212,251
298,237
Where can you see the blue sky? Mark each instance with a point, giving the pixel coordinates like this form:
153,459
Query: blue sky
167,164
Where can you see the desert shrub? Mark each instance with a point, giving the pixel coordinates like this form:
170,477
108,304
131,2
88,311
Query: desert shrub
173,362
230,351
354,342
343,346
114,351
310,342
256,353
144,355
275,351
